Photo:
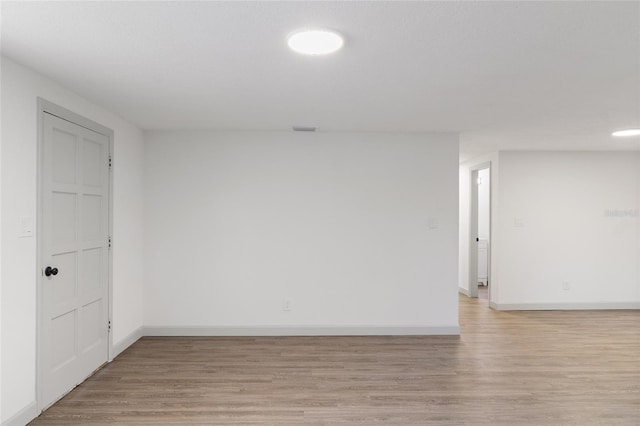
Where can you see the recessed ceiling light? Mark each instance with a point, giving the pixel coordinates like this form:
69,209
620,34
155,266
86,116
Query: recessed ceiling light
628,132
315,42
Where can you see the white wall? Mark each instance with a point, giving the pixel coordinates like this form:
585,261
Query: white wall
237,222
569,216
20,89
556,217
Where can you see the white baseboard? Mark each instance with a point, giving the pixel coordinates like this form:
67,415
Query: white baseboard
563,306
300,331
23,416
129,340
464,291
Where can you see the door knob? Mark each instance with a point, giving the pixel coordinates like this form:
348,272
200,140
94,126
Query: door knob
48,271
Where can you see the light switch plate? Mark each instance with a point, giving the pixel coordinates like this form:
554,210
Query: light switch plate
26,227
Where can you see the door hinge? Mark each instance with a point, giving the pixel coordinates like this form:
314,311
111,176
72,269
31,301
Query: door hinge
110,161
109,326
109,241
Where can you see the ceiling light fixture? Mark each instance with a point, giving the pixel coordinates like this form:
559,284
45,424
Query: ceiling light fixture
627,132
315,42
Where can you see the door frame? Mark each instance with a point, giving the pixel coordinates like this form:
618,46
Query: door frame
47,107
473,229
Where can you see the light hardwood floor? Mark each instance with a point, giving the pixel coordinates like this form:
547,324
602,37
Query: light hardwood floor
507,368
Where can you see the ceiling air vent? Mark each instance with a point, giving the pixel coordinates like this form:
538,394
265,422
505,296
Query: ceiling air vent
304,128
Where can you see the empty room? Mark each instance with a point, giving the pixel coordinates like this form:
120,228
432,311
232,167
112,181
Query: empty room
312,213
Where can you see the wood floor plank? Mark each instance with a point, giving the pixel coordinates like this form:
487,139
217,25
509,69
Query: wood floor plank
506,368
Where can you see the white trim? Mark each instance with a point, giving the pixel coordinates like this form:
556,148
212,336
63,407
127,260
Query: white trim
564,306
463,291
23,416
110,348
300,331
72,117
129,340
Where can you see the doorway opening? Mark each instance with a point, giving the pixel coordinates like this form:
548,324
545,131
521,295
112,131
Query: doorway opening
480,233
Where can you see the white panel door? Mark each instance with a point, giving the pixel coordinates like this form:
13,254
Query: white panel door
75,255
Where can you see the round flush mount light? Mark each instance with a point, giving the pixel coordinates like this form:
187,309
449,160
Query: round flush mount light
315,42
627,132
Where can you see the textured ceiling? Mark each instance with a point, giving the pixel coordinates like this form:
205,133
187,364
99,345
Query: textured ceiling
534,75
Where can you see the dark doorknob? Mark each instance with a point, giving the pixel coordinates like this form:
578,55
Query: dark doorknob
48,271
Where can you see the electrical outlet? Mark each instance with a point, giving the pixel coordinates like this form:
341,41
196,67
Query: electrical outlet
565,285
287,305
